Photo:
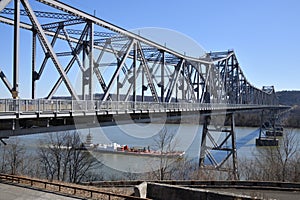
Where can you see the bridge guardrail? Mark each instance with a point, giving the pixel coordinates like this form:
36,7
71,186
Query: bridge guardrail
79,191
57,105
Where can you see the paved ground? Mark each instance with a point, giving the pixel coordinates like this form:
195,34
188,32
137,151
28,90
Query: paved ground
12,192
265,194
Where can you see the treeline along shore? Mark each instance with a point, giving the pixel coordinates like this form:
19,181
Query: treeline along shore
290,119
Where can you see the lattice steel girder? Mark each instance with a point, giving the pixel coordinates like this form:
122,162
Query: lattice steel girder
270,122
67,69
48,47
47,56
223,78
51,32
109,26
174,80
76,51
97,71
234,81
96,34
54,25
209,150
148,73
38,13
117,72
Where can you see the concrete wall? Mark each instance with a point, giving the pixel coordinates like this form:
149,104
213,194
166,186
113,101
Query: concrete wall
163,192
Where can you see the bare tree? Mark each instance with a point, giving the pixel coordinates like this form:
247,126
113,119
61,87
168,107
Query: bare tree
62,158
79,161
274,163
165,142
13,156
184,169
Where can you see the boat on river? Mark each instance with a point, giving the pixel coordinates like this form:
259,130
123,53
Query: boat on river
115,148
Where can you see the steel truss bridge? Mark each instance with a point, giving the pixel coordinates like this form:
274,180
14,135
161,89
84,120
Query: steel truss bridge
133,75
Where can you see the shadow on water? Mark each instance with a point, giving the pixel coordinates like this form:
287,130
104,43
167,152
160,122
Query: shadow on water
245,141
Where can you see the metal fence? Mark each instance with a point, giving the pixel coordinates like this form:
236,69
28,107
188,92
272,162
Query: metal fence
43,105
79,191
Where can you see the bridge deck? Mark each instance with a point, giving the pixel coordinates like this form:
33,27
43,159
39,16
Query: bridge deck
25,109
21,117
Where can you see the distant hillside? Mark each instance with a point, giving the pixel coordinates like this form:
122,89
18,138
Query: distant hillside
290,98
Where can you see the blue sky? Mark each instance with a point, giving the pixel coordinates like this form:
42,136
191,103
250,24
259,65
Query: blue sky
264,34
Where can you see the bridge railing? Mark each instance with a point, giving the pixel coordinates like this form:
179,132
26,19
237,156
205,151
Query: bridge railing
57,105
82,192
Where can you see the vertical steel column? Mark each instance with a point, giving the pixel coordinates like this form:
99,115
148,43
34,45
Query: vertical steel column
33,61
118,86
83,72
183,75
134,71
209,152
15,89
143,85
203,141
176,87
162,72
198,85
91,60
234,151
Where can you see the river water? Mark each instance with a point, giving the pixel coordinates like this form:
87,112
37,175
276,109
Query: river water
187,138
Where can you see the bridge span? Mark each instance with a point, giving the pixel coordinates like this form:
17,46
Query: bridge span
134,76
20,117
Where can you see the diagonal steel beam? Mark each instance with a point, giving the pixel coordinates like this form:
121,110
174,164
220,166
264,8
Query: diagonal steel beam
71,10
148,73
41,14
50,33
117,72
73,51
4,3
97,71
67,69
5,81
49,48
131,85
47,55
118,57
96,64
76,51
187,78
175,76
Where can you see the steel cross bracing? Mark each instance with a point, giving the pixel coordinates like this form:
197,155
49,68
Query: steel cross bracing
169,75
218,146
125,67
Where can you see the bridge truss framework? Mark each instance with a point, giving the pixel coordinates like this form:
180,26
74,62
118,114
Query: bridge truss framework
140,69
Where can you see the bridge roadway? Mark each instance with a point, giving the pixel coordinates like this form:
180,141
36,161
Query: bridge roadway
20,117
